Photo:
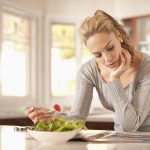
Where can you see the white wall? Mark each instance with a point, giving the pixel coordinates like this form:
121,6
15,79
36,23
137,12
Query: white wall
32,5
132,8
77,9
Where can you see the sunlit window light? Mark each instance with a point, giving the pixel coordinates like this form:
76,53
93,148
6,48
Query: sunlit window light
14,61
12,71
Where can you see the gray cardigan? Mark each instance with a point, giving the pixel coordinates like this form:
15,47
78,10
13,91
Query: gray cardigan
130,105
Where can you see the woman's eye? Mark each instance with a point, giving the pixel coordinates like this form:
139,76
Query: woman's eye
110,48
98,55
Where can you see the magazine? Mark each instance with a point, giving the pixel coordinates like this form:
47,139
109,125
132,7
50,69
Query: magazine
112,137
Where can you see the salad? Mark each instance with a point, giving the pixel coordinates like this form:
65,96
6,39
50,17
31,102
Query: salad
58,124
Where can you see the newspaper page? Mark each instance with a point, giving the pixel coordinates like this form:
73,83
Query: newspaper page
113,137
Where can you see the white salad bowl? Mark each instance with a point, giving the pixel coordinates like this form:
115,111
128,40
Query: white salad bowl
53,137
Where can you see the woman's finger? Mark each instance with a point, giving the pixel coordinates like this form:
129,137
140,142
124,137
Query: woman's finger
127,56
35,113
123,59
42,117
29,110
39,117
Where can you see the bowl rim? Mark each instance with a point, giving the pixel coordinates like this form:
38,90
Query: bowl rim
79,129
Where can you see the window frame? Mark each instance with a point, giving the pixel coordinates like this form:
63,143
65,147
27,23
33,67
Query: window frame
60,23
14,103
64,101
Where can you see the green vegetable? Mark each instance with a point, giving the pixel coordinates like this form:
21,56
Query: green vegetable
58,124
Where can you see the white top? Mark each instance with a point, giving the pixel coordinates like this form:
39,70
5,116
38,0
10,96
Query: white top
131,105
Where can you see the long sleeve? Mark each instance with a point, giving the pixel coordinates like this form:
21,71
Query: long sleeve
84,93
131,115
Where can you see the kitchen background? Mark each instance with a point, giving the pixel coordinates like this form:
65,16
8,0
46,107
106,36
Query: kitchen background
40,49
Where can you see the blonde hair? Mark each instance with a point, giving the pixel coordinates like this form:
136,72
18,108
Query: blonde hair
102,22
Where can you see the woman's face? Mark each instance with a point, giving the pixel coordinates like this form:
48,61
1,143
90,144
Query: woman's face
106,47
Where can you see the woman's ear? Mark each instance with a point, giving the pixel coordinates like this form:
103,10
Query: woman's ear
119,36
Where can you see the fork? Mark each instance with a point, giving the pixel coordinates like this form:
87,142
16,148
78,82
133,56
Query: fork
56,108
62,115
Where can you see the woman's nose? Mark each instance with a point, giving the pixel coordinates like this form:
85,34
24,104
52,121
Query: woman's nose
108,58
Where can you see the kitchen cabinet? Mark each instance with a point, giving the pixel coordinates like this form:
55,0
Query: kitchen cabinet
139,29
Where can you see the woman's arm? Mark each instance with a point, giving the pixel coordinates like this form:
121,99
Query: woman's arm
130,114
84,93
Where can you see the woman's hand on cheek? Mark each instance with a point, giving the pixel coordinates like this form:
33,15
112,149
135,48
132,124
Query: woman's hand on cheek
125,62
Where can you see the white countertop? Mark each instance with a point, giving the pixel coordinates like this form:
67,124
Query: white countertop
11,140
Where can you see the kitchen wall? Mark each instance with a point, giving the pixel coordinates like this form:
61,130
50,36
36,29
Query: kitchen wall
32,5
78,9
132,8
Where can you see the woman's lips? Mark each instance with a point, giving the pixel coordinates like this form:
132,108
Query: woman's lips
112,65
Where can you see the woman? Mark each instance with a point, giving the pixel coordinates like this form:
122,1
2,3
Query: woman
119,73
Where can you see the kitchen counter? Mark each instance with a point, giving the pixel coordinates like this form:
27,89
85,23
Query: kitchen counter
12,140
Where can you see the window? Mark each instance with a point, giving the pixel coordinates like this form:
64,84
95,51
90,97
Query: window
15,55
86,54
64,59
17,60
